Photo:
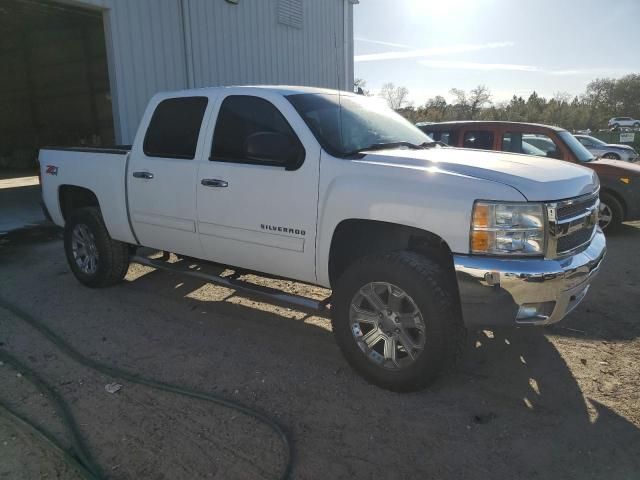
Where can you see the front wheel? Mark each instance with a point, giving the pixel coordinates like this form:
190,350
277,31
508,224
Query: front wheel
611,156
95,258
396,320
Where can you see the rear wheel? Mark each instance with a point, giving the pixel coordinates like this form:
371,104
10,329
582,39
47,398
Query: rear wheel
611,212
396,320
95,258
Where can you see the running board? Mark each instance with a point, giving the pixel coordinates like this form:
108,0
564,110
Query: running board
270,294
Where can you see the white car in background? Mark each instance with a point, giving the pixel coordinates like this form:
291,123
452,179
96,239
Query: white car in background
602,149
617,122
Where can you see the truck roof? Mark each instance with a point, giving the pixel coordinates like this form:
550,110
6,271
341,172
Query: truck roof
280,89
486,122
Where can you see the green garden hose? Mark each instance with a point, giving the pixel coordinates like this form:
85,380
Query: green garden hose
79,456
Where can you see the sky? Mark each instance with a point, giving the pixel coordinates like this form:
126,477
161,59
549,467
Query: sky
511,46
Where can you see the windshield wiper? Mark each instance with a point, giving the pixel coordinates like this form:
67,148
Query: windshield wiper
385,146
435,143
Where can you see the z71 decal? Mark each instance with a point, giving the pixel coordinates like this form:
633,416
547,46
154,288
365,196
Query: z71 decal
51,170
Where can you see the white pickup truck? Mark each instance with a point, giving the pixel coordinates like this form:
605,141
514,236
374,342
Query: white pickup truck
417,242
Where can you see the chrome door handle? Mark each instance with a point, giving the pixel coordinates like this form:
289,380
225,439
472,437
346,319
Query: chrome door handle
147,175
214,182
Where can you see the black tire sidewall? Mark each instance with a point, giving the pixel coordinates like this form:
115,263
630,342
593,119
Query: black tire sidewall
93,222
431,360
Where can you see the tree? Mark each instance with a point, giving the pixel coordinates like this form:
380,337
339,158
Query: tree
360,86
396,97
478,98
603,99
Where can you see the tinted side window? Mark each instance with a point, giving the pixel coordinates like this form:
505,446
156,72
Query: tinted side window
242,116
174,128
481,139
450,137
530,144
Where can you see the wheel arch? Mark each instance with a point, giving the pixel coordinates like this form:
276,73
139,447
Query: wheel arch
73,197
355,238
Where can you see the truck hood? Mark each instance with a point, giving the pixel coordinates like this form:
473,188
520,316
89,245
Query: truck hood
537,178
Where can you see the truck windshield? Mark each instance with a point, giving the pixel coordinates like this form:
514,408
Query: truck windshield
579,150
347,123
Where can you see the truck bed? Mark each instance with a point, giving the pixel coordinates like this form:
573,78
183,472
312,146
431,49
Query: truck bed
102,171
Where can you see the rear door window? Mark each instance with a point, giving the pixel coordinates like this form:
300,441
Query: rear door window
480,139
175,127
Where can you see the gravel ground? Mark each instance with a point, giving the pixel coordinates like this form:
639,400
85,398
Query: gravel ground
562,402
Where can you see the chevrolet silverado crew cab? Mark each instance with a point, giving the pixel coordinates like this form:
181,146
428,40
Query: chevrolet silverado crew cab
417,242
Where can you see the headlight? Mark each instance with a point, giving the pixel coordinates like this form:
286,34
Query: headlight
507,228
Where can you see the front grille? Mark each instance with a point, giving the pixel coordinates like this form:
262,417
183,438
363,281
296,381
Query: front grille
574,240
575,208
572,224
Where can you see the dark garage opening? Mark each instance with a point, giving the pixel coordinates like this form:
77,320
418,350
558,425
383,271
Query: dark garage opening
54,87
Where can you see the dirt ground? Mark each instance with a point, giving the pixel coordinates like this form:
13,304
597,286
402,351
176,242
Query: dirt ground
555,403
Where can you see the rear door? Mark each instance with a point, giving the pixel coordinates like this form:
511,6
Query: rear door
254,214
162,175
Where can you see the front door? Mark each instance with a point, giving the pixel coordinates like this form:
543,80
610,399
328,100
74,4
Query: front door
257,214
162,175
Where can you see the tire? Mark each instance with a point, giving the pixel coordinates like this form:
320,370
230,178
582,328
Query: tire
433,295
611,156
616,126
86,227
615,213
636,125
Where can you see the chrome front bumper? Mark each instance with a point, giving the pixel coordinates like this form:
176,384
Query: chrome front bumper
510,292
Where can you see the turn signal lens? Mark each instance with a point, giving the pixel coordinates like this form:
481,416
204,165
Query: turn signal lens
481,216
625,180
480,241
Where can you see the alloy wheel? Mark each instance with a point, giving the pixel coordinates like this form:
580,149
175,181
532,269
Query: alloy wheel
605,215
85,251
387,325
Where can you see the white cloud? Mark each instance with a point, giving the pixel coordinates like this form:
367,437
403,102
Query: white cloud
454,65
428,52
380,42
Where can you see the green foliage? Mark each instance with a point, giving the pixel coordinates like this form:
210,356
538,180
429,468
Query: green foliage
603,99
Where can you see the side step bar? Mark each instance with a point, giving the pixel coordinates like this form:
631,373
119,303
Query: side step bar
269,294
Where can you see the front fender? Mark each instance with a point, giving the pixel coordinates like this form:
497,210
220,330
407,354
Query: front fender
433,200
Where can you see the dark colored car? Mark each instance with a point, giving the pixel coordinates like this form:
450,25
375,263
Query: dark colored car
620,181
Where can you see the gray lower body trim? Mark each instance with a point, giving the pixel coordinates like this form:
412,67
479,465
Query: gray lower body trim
266,293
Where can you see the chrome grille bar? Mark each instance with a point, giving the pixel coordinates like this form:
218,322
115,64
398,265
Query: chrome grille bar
571,224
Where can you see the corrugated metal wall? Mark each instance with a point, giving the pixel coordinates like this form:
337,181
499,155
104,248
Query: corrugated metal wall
157,45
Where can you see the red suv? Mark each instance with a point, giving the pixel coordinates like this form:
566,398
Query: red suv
619,181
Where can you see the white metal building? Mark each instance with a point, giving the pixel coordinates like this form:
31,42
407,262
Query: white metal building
101,60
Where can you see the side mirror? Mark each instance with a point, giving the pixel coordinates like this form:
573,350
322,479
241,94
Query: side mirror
274,148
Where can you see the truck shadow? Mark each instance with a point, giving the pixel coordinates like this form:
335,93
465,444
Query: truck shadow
513,408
